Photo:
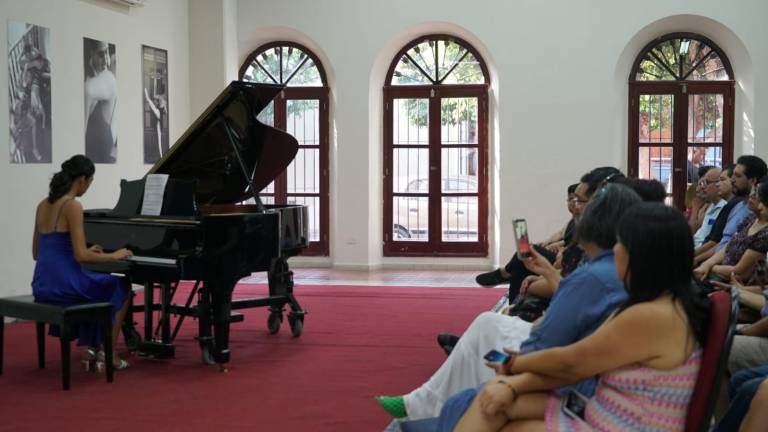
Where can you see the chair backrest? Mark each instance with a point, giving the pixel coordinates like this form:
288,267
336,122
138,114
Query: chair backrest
724,309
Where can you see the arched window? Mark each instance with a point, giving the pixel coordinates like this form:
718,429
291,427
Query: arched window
301,110
435,150
681,111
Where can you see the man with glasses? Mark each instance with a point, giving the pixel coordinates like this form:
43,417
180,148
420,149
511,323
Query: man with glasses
709,192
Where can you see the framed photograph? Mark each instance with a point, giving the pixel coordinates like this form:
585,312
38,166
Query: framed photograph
154,66
100,92
29,93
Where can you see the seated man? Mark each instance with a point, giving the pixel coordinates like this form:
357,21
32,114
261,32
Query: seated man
742,389
711,204
581,303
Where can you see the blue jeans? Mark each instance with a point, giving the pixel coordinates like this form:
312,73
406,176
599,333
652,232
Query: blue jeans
742,389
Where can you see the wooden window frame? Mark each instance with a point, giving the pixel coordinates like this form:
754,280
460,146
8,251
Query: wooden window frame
320,93
435,246
680,89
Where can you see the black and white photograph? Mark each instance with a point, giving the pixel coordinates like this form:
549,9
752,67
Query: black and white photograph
100,65
154,66
29,93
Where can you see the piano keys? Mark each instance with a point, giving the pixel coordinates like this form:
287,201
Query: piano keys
204,232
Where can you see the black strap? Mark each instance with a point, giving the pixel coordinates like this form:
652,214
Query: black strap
58,214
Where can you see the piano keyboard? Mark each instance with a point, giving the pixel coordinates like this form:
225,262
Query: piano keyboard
152,260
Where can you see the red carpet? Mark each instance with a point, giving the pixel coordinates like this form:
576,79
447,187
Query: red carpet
357,342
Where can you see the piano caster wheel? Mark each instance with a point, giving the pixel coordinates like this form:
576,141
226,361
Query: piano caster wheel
273,322
297,325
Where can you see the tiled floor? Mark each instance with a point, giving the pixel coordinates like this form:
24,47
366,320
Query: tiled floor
425,278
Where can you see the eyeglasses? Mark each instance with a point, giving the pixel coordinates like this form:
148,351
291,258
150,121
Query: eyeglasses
577,201
705,182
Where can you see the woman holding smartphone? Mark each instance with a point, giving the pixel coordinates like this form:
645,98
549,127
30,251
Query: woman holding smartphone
647,354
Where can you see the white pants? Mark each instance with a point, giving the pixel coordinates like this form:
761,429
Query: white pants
465,367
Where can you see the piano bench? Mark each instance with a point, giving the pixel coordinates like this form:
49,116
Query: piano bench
25,307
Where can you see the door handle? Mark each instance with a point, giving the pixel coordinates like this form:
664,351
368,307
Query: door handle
678,170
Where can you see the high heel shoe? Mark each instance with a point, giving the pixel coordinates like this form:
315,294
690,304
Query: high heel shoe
117,362
91,359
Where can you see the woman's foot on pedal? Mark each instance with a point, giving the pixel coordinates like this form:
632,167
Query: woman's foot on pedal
393,405
117,362
491,279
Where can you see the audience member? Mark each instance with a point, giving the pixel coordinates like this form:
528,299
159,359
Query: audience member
713,204
725,190
742,389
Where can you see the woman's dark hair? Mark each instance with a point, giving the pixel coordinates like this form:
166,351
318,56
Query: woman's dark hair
762,192
599,177
572,188
71,169
660,246
729,169
650,190
598,222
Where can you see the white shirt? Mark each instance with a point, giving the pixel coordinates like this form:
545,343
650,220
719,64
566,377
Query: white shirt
713,210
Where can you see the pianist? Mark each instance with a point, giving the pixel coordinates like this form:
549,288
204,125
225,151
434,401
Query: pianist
58,247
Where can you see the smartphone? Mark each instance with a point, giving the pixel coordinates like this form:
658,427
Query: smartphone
521,238
499,357
574,404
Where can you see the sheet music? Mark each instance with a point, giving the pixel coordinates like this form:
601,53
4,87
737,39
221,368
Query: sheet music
154,190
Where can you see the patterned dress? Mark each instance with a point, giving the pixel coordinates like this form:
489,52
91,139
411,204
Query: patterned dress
634,398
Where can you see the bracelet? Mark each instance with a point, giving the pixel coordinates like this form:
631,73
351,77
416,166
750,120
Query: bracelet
510,387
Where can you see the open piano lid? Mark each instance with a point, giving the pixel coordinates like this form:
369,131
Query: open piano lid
211,150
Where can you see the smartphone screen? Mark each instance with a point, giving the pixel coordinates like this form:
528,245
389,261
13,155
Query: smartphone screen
574,404
494,356
521,238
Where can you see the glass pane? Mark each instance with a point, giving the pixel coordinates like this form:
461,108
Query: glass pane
448,54
467,72
458,121
270,189
424,56
255,74
303,120
267,115
459,219
705,118
407,74
702,156
656,163
459,169
712,69
304,172
270,61
410,121
292,58
656,114
410,170
308,75
650,70
410,216
313,203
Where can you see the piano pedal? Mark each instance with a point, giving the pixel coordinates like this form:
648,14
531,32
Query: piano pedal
236,317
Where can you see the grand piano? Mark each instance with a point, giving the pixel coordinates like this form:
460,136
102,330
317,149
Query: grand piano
203,231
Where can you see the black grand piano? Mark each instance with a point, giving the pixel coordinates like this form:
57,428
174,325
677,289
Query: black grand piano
203,233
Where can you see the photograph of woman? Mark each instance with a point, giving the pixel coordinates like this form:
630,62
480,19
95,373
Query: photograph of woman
155,76
100,101
29,73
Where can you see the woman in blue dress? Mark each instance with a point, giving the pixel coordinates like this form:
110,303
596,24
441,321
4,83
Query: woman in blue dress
59,249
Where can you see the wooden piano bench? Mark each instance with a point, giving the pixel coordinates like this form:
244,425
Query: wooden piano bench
24,307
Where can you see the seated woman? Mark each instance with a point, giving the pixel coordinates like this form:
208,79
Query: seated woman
747,247
58,247
647,354
757,416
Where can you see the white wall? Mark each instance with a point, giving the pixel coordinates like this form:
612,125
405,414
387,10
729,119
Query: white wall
162,24
559,71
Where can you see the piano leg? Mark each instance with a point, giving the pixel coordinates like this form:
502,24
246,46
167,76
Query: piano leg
148,305
281,286
165,293
214,309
